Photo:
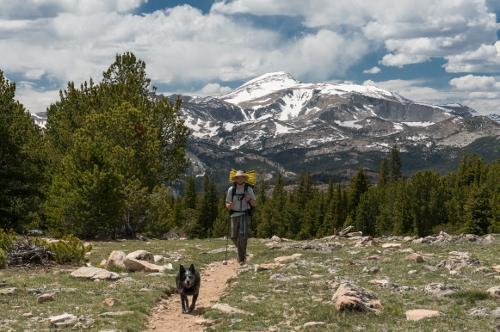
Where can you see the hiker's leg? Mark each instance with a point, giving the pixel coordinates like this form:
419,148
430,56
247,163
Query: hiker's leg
234,230
244,237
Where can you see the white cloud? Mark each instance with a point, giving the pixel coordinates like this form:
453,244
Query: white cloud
213,89
33,99
486,58
372,70
402,59
475,83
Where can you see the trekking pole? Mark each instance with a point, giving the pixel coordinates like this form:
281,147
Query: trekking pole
227,242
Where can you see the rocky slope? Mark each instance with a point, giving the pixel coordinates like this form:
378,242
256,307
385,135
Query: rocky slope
276,123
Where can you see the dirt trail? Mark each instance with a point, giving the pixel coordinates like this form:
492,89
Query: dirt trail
167,315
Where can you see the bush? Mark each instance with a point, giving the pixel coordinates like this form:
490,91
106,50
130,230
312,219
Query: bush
69,249
6,239
3,259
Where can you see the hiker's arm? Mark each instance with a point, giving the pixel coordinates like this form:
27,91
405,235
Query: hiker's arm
251,198
229,200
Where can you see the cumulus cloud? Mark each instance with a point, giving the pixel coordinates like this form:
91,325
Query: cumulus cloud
484,59
372,70
475,83
213,89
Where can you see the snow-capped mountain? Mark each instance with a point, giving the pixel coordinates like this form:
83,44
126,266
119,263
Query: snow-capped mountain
278,123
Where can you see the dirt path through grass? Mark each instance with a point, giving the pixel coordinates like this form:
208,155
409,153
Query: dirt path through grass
167,315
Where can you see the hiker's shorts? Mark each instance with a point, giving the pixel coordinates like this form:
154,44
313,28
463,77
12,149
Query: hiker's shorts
239,234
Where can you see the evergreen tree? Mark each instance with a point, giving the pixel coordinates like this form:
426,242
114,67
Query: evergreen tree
190,193
367,212
383,175
478,212
22,162
395,164
359,185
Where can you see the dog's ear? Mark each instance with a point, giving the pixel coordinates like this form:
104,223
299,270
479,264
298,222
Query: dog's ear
182,270
191,268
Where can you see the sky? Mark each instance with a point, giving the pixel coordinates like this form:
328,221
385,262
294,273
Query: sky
433,51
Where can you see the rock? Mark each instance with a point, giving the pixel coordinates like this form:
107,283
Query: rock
494,291
141,237
110,301
279,277
116,313
488,239
63,320
159,259
439,289
381,282
168,267
366,241
171,235
351,297
371,270
414,257
287,259
354,234
8,291
313,324
457,260
391,245
94,273
134,265
346,230
142,255
373,258
116,259
409,238
275,238
496,268
27,315
46,297
495,313
227,309
479,312
204,322
418,314
267,266
411,272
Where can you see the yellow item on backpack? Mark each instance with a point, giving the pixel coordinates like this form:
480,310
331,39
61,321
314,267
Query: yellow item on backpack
251,176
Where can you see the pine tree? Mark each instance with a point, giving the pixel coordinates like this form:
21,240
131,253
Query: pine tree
359,185
190,193
367,212
383,175
395,164
478,212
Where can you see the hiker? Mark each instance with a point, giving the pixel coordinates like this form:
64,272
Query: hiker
240,199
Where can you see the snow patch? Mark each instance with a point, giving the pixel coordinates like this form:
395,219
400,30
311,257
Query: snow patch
294,102
418,123
350,124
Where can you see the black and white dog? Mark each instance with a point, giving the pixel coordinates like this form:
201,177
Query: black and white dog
188,283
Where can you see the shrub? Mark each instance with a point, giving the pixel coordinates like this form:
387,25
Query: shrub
69,249
6,239
3,259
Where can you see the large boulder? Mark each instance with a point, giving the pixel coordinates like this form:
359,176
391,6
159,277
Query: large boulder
142,255
90,272
116,259
494,291
135,265
351,297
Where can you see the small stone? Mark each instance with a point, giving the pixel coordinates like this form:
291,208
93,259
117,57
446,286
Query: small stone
351,297
411,272
313,324
371,270
479,312
204,322
494,291
439,289
496,268
227,309
116,313
8,291
27,314
275,238
391,245
381,282
141,255
373,258
418,314
110,301
63,320
267,266
46,297
287,259
279,277
414,257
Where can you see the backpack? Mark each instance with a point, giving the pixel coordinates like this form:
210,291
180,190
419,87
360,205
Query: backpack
241,196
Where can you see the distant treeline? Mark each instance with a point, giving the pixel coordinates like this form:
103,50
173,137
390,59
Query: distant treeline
103,166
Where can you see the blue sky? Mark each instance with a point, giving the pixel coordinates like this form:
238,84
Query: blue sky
435,51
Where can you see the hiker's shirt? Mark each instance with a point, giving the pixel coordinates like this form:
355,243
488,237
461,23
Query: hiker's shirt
240,204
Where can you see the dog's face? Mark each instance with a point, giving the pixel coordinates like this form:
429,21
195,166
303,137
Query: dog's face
187,277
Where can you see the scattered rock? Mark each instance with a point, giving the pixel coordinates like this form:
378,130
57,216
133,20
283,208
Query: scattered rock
479,312
457,260
134,265
8,291
227,309
275,238
279,277
371,270
116,313
313,324
346,230
46,297
267,266
488,239
141,255
159,259
204,322
439,289
381,282
496,268
63,320
366,241
373,258
110,301
418,314
116,259
27,315
351,297
494,291
412,272
414,257
286,259
354,234
94,273
391,245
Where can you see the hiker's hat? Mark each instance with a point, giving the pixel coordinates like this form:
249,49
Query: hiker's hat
240,174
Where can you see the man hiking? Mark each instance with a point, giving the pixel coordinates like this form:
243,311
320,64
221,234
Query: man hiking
240,199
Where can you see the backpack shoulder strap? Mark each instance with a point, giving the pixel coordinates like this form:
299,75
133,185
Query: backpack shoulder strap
233,190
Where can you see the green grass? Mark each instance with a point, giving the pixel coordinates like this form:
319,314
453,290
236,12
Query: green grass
85,297
285,305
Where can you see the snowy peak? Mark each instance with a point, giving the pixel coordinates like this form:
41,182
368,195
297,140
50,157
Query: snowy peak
261,86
